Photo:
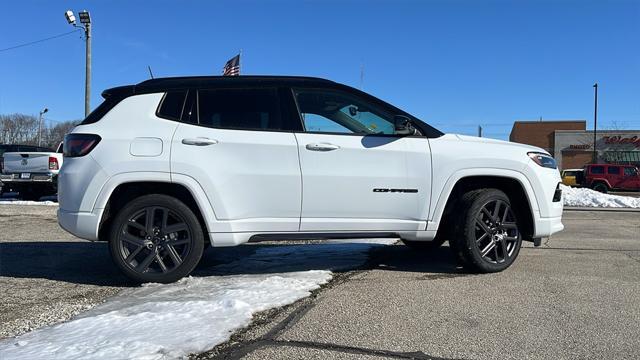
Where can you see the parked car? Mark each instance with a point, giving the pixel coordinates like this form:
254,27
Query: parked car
572,177
607,177
32,173
14,148
229,160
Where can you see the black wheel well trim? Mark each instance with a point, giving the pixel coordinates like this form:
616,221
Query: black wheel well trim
512,187
130,190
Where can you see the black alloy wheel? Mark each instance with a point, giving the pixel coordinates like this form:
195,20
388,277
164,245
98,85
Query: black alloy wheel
487,237
156,238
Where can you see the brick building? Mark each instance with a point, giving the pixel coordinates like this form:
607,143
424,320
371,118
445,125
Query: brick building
571,144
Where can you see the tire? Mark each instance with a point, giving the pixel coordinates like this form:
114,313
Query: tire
485,241
423,245
601,187
164,250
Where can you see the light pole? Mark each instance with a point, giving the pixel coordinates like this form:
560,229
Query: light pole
85,20
44,111
595,123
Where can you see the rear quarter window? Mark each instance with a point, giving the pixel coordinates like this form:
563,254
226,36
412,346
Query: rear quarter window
171,105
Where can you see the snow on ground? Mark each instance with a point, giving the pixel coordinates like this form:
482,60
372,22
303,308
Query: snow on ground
10,198
591,198
158,321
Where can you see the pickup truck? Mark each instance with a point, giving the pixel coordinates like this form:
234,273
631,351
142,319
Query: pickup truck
606,177
32,174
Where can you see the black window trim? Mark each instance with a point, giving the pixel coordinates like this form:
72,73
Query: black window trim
376,101
184,101
279,108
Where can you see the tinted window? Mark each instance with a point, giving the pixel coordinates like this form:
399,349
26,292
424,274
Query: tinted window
249,109
171,105
613,170
338,112
629,171
597,170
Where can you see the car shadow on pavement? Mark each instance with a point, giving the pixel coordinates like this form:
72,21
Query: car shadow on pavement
90,263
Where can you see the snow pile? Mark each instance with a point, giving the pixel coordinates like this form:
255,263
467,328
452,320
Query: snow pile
27,202
584,197
193,315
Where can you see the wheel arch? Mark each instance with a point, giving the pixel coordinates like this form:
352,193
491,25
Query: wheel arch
118,194
513,184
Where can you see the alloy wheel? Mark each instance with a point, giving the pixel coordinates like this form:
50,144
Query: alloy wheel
496,232
154,239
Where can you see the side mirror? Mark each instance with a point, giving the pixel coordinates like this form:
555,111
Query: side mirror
403,125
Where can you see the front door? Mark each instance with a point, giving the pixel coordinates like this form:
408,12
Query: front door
238,147
357,174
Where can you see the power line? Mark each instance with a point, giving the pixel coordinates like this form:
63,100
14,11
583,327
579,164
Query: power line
39,41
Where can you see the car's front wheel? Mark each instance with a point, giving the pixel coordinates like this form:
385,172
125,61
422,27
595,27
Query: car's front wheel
487,237
156,238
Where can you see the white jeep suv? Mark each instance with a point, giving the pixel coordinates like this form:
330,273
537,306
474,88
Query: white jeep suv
161,167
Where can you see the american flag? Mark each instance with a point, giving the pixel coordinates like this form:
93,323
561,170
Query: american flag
232,67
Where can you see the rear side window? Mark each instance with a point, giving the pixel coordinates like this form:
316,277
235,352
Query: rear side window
614,170
171,105
245,109
597,169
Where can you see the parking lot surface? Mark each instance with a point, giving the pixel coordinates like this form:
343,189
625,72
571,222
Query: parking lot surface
575,297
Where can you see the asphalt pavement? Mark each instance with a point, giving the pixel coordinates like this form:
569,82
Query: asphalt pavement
575,297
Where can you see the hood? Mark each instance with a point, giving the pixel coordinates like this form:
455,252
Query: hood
475,139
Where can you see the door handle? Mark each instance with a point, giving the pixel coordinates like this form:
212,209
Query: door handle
199,141
322,147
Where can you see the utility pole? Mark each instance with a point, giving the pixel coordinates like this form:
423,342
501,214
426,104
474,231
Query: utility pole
595,123
85,19
479,131
40,126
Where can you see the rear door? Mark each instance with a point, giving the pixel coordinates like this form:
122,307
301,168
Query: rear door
240,147
357,174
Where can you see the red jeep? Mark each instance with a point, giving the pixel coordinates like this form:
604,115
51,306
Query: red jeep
605,177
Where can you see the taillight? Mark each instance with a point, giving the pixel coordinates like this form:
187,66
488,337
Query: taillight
76,145
53,163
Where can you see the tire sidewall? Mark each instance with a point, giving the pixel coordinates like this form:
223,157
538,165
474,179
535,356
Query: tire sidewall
175,205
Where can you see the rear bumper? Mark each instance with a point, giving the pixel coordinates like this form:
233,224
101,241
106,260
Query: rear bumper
81,224
49,181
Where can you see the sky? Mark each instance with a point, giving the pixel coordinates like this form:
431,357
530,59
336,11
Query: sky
454,64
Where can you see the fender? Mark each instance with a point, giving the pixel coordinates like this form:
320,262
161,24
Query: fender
188,182
439,204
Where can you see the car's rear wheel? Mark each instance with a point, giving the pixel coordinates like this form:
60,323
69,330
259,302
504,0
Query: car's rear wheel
156,238
487,237
601,187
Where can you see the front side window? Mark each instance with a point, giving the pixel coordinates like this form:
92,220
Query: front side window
597,169
245,109
337,112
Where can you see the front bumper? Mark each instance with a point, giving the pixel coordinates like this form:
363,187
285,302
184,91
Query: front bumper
545,227
81,224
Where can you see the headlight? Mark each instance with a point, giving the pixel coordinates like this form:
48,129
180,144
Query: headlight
543,160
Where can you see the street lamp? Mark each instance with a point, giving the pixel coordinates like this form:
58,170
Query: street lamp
595,123
44,111
85,20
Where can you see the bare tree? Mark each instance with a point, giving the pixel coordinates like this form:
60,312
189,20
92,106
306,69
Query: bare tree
23,129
